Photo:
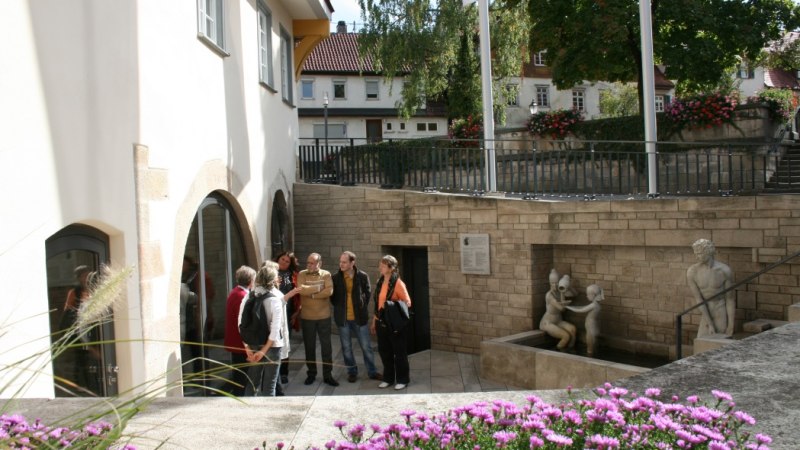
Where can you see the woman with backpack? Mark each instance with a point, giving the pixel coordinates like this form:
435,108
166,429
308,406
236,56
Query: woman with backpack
390,324
267,357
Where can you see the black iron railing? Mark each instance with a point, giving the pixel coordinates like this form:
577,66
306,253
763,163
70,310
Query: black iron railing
590,169
679,317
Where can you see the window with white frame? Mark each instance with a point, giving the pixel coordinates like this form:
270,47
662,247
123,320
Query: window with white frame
512,95
286,66
210,23
307,89
339,91
335,130
372,89
433,126
402,126
265,46
540,58
389,126
578,99
659,103
421,126
744,71
543,96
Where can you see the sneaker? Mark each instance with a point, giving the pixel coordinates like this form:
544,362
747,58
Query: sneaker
384,385
330,381
351,378
310,379
376,376
284,379
399,386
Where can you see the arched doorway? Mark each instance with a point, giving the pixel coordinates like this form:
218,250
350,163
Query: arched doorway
213,252
280,235
87,368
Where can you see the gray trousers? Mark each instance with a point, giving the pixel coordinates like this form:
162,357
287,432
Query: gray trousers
312,329
264,375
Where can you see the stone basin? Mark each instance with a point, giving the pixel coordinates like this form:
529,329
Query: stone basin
524,360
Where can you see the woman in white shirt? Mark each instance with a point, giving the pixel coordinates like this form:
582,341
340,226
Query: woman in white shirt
264,375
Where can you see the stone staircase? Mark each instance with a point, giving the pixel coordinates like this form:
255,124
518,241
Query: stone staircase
787,177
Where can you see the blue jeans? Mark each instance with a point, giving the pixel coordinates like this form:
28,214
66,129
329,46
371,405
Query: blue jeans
362,333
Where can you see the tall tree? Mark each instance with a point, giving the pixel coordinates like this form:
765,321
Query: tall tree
697,40
422,40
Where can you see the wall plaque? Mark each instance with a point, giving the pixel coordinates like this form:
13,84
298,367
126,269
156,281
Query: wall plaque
474,253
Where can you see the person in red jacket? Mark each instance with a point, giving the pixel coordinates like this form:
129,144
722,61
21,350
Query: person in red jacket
233,341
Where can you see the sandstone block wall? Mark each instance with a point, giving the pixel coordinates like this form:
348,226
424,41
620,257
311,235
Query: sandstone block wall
637,250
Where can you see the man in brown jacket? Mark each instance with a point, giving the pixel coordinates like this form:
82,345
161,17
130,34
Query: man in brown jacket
316,288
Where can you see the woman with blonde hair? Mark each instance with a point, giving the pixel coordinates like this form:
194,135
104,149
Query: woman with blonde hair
264,375
391,316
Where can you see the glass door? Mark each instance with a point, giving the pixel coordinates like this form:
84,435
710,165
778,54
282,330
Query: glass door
213,252
89,366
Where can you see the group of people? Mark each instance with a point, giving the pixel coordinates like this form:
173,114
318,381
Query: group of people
302,300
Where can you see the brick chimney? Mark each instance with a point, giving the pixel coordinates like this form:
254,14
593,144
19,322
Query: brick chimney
341,27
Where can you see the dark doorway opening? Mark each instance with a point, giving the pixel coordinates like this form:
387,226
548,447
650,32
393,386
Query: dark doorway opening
413,263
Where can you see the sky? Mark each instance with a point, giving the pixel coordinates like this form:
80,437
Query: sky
346,10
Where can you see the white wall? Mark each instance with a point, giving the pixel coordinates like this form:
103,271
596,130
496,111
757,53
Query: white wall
91,79
69,118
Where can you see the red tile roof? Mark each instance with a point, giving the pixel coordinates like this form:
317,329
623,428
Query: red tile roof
338,53
779,78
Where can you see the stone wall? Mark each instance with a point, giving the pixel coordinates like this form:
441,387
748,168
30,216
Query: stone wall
637,250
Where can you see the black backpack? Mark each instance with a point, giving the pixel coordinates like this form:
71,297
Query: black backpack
254,327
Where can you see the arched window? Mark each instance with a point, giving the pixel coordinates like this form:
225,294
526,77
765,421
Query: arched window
89,368
281,229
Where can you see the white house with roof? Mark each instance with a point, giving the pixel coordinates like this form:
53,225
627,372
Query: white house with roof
536,88
157,135
754,79
360,105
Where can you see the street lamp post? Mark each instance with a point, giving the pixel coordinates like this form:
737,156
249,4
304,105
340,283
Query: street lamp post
325,115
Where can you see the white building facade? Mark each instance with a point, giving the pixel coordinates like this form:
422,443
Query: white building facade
146,134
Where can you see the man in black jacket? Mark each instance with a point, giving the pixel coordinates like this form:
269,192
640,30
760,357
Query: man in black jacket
351,296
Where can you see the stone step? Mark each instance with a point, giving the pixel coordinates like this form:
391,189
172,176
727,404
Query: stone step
759,325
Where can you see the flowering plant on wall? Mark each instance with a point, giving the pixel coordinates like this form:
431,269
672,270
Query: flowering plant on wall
779,103
467,131
701,111
555,124
614,420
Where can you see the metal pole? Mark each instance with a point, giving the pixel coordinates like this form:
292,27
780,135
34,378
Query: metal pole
649,96
486,88
325,114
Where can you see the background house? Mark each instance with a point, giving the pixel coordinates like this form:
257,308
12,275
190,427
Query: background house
537,84
138,133
756,78
361,104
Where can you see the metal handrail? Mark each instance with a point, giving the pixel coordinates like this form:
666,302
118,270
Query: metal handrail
679,317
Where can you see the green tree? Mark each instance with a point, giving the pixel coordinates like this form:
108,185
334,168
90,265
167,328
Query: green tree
784,53
697,40
619,101
464,90
424,40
